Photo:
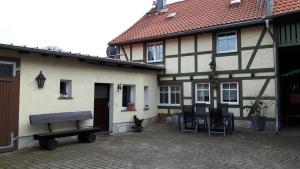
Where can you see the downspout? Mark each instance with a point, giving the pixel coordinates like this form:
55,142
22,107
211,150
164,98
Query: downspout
277,101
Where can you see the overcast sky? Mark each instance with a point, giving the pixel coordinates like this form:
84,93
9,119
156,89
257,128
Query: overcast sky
82,26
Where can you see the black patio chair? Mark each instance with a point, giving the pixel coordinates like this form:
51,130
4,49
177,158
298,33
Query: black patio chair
189,122
224,108
216,123
201,114
228,119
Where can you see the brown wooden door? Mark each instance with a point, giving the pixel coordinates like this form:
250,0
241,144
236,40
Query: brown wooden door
9,102
101,106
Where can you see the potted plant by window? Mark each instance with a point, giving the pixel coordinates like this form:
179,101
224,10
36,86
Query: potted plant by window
130,106
257,113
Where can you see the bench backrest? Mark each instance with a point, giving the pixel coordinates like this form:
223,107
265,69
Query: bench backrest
60,117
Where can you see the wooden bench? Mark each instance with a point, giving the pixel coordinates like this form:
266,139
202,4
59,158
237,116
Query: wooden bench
47,140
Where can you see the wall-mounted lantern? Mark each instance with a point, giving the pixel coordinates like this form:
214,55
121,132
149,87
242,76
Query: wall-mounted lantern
213,64
120,86
40,79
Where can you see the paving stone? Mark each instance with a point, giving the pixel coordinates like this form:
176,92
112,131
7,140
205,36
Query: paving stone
163,147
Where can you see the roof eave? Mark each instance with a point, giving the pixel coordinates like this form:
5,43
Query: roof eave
99,60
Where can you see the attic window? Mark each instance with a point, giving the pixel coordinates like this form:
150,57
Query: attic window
235,1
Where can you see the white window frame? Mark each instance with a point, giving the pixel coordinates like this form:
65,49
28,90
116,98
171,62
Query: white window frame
68,88
169,95
132,95
196,93
155,57
227,51
10,63
238,92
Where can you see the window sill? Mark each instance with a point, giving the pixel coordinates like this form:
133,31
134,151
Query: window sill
168,105
155,62
128,110
65,98
227,53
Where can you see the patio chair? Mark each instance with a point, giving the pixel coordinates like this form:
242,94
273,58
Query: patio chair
216,123
201,114
225,112
189,122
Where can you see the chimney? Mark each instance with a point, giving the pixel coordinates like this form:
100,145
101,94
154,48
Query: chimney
160,4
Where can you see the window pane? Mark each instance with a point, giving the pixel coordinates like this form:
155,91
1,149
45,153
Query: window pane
206,86
233,96
225,86
206,95
150,53
159,52
177,98
173,98
231,44
225,95
199,96
222,45
126,95
233,86
63,88
199,86
6,70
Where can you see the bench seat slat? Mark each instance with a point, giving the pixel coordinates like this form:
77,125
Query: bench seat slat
60,134
60,117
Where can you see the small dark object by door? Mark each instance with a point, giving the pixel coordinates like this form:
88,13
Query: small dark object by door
138,127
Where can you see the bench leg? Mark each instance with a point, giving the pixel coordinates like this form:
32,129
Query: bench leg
50,144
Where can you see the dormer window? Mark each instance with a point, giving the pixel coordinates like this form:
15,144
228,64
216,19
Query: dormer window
155,52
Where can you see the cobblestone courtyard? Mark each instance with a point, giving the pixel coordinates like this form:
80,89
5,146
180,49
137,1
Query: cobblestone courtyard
163,147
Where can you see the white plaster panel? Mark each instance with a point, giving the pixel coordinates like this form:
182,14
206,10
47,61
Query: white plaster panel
227,63
187,102
172,46
204,42
223,76
235,111
251,88
201,77
187,64
187,89
267,40
270,90
188,44
250,36
162,111
242,75
171,65
264,59
127,51
265,74
270,112
183,78
175,111
166,78
203,62
137,52
246,55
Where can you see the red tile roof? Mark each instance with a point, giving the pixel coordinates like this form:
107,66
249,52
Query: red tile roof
199,14
283,6
192,15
